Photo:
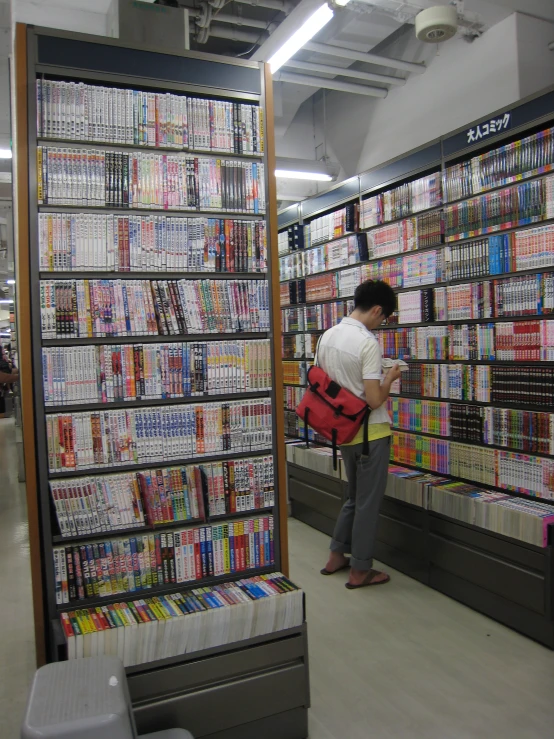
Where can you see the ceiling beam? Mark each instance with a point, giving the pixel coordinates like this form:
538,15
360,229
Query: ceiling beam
319,82
361,56
344,72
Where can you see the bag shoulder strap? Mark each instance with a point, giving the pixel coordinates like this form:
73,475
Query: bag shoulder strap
317,350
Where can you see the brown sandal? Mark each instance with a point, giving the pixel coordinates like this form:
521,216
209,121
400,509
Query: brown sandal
345,566
368,580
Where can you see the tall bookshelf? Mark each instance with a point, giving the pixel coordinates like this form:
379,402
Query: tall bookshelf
150,366
463,230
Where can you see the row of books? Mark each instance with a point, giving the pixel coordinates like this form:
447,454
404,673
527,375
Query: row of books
416,306
299,346
517,518
520,341
525,249
528,248
89,308
512,471
294,428
413,414
522,158
483,383
514,296
107,242
151,629
523,204
402,201
295,372
143,562
106,438
339,253
98,178
103,503
111,373
453,381
292,396
331,226
292,239
79,112
526,431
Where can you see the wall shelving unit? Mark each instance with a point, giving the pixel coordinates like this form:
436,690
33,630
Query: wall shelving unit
259,684
506,578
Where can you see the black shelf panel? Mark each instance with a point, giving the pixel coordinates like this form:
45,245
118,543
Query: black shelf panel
163,589
133,467
478,444
153,211
155,338
149,528
136,148
306,331
117,405
95,275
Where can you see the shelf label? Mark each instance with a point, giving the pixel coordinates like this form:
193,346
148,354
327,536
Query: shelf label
489,128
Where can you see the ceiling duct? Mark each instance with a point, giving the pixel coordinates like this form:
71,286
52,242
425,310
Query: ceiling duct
149,24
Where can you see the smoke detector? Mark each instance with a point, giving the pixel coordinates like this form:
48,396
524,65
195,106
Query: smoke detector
437,24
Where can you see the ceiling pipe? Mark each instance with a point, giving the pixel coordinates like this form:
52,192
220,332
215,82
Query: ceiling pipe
361,56
347,72
236,34
318,82
284,7
237,20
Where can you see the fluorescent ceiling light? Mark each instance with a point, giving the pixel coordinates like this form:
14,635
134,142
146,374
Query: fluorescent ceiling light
5,153
306,31
10,282
342,2
6,301
291,175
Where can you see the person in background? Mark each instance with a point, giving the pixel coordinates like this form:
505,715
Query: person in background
350,354
8,375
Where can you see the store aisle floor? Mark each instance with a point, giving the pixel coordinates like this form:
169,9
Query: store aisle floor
405,662
17,647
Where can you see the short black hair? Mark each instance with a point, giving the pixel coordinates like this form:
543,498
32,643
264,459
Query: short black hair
375,292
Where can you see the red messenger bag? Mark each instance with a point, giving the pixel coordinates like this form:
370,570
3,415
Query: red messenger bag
332,411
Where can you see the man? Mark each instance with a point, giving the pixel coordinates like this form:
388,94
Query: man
350,354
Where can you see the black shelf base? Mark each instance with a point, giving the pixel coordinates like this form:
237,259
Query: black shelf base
260,687
505,579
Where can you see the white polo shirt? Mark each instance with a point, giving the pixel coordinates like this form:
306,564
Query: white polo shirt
350,354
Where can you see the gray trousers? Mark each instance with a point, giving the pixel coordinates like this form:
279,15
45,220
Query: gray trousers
356,528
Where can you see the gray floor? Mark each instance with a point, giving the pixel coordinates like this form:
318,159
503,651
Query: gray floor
17,648
394,662
402,661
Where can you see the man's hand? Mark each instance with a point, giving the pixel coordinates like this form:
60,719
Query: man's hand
393,374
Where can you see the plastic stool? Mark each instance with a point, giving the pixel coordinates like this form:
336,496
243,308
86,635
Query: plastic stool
84,699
